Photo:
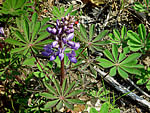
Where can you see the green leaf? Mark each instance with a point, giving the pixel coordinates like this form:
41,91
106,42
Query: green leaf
80,37
50,88
115,52
93,110
50,104
131,70
74,93
133,36
57,86
68,10
62,9
75,101
56,12
83,31
41,37
123,32
108,55
91,31
70,106
117,34
59,105
113,71
130,58
35,30
104,108
34,20
45,42
18,49
48,96
64,85
14,42
100,36
29,62
142,31
43,22
69,88
122,73
19,36
20,3
105,63
115,110
26,29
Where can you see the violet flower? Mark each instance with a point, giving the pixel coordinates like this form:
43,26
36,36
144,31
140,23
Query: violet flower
64,33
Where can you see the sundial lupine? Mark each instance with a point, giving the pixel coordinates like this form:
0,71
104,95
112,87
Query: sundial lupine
64,33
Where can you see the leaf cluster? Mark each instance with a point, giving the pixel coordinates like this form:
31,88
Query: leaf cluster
121,63
60,96
32,37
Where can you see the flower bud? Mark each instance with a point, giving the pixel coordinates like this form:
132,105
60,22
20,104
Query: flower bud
54,44
70,36
70,43
53,57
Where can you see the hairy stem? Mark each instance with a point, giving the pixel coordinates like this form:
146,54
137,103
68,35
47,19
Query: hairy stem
62,72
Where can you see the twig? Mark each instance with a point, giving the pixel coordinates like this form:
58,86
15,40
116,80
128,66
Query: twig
124,90
140,90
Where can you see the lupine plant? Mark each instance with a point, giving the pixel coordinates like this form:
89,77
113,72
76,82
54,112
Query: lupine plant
121,62
64,33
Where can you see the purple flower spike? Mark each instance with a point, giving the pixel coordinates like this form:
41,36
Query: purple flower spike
54,44
53,57
64,33
70,36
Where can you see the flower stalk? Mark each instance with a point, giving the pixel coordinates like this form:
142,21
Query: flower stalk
64,33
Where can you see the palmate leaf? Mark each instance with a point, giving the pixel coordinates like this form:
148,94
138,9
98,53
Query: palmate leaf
118,39
123,64
100,36
138,41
